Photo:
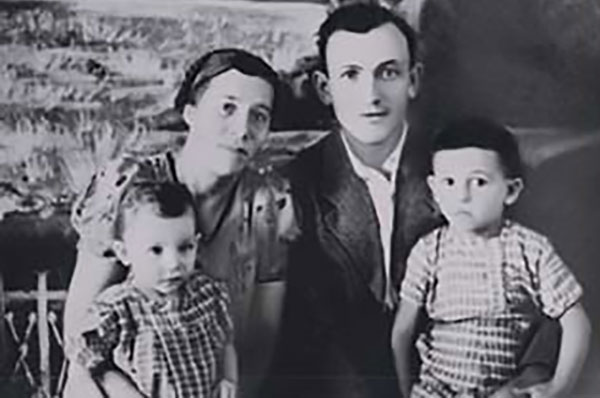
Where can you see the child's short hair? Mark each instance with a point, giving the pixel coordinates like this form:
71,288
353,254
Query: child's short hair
362,17
167,199
485,134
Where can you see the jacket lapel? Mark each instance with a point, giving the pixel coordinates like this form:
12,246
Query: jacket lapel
350,228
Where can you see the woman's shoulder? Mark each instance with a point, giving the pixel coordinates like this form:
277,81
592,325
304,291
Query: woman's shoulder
94,211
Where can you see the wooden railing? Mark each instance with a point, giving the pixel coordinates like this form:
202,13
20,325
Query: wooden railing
31,341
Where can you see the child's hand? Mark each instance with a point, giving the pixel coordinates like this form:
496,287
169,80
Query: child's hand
505,391
542,390
225,389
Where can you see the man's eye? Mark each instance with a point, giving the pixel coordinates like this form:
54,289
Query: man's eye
156,250
228,108
350,74
390,73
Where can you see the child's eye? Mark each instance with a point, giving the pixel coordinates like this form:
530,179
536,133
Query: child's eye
156,250
448,181
187,247
480,182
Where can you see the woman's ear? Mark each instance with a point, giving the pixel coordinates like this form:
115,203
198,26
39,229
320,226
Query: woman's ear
320,81
187,114
121,252
515,186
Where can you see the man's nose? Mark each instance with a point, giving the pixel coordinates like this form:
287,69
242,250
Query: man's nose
372,91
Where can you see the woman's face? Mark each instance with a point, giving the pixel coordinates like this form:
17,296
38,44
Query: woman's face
230,121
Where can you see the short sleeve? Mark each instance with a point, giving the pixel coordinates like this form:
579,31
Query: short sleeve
95,210
415,284
97,337
558,287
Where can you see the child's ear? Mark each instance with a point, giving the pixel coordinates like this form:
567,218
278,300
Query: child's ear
121,252
320,80
515,186
432,185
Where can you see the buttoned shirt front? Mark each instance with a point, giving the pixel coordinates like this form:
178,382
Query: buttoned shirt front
382,190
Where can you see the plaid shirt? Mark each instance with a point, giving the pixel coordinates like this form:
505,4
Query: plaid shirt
154,343
482,296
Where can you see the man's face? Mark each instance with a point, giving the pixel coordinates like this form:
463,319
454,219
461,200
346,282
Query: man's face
161,251
471,189
369,82
230,121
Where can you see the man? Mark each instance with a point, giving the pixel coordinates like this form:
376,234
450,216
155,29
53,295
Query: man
361,203
360,208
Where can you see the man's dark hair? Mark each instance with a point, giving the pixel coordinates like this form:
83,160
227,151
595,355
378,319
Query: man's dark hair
362,18
485,134
216,62
167,199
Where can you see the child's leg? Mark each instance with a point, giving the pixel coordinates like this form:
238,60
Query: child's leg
429,387
539,360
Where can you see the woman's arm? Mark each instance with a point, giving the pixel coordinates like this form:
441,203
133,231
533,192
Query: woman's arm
575,339
262,333
92,274
403,337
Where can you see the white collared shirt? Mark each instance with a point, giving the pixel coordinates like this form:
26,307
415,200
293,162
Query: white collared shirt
382,192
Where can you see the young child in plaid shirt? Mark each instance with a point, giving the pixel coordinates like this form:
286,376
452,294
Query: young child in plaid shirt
482,279
166,331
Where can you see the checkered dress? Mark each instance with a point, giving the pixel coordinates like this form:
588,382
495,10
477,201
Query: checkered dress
160,348
482,296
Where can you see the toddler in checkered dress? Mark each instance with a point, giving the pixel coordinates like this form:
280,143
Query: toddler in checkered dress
166,331
483,280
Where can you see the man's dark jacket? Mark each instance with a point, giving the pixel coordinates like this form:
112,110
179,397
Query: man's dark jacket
336,329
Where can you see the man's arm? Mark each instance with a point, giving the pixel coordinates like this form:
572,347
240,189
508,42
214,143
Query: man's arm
576,332
403,336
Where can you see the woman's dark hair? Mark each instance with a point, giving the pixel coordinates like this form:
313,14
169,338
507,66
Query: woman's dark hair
485,134
219,61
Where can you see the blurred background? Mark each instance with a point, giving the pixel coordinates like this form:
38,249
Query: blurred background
83,80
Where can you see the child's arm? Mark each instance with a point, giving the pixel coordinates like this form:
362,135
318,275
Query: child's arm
576,331
116,384
403,334
227,387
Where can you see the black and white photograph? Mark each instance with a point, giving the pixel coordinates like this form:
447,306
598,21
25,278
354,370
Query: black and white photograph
299,198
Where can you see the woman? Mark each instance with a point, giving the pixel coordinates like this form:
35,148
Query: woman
227,100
